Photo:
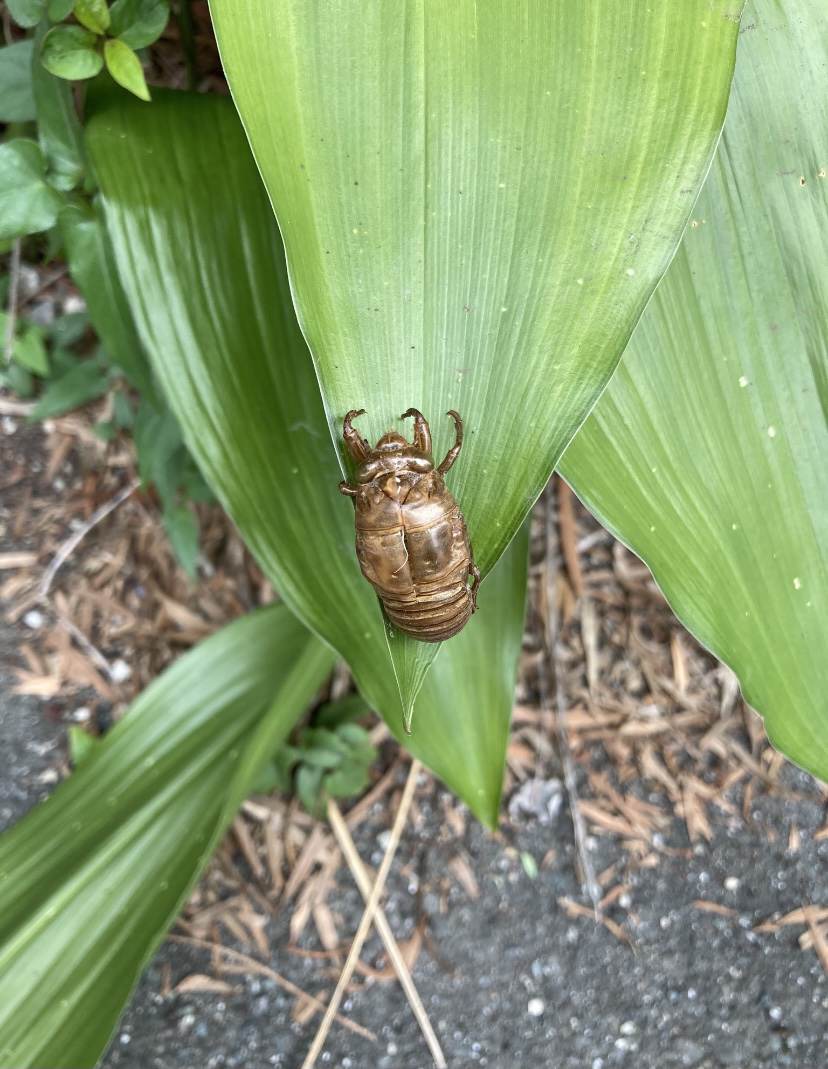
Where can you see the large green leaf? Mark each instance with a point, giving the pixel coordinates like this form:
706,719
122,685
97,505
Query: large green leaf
477,199
91,879
708,453
202,265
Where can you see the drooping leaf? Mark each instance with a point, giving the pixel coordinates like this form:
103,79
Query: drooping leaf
182,531
16,100
93,14
71,52
138,22
125,67
708,453
85,382
91,879
30,351
202,266
28,203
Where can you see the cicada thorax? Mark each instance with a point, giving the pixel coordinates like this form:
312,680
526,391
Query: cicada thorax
413,547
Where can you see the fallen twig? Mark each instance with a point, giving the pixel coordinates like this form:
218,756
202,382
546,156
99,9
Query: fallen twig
570,776
346,844
367,917
74,540
248,964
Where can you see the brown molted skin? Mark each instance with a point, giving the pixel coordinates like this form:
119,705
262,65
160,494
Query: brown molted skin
411,538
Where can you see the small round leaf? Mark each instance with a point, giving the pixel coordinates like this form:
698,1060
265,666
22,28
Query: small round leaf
26,13
125,68
58,10
28,204
138,22
70,52
93,14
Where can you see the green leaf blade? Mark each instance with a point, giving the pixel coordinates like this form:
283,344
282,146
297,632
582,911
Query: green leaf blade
707,453
203,269
94,876
477,201
125,67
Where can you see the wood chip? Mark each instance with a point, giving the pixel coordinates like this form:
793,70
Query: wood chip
816,914
577,909
713,907
198,982
818,938
248,849
464,874
20,559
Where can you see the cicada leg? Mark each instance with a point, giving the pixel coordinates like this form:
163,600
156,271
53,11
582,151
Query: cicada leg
346,488
422,431
452,454
357,446
474,572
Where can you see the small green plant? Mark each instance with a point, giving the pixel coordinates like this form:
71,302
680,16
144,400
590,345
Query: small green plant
49,200
329,759
106,36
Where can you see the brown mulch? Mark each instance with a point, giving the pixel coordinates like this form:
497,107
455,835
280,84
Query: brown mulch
657,728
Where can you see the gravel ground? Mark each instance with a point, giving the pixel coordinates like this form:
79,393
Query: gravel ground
514,979
521,982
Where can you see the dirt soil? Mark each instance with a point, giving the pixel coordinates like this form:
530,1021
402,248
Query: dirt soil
709,850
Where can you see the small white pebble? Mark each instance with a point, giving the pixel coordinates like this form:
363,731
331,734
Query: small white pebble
119,671
49,775
732,883
125,1038
775,1013
627,1028
9,425
58,484
82,714
33,619
71,306
625,900
535,1007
